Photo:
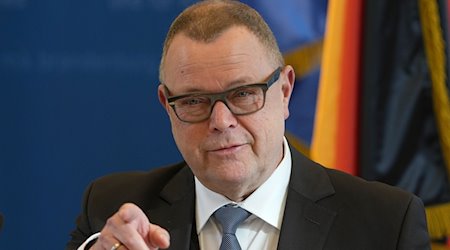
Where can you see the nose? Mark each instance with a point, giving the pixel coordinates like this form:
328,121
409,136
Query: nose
221,117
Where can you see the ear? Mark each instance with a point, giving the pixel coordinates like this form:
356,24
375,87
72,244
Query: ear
288,77
162,97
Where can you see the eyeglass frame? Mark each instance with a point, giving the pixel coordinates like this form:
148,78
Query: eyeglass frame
222,96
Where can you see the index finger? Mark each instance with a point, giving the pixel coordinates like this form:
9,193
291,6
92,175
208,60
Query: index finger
158,237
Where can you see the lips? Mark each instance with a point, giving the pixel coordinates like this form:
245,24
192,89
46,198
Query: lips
225,147
226,143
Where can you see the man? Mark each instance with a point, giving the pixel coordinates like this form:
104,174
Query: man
226,90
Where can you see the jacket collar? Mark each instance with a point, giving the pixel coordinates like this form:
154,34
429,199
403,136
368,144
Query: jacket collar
306,224
176,211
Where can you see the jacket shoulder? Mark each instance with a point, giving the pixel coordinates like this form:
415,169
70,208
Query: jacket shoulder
137,180
107,194
358,189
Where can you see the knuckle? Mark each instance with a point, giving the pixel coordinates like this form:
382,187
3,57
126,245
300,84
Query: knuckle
110,221
126,211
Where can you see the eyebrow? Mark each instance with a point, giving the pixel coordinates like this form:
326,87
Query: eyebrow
233,84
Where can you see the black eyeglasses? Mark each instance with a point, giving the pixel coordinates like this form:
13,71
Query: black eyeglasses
242,100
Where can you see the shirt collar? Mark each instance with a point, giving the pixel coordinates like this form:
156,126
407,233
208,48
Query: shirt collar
267,202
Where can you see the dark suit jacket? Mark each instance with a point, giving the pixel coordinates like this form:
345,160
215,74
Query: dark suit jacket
325,209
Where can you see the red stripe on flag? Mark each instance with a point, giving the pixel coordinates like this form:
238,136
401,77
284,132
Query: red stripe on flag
347,125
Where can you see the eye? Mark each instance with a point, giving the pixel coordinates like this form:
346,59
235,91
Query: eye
244,92
193,101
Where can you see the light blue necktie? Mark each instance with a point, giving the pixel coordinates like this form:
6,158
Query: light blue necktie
229,217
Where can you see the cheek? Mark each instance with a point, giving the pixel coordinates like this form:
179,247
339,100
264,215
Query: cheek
187,137
273,119
275,109
266,126
179,132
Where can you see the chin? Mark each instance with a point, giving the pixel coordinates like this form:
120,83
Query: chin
235,178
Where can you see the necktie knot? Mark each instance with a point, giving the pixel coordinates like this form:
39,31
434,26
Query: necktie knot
229,217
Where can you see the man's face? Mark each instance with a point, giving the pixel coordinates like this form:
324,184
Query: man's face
229,154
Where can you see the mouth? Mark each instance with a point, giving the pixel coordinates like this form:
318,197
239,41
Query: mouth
227,149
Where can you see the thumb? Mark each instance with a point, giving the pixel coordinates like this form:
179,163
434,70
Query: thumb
129,212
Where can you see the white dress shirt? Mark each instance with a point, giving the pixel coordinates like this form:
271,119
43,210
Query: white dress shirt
261,230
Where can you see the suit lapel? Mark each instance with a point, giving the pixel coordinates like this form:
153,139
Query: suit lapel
176,211
306,224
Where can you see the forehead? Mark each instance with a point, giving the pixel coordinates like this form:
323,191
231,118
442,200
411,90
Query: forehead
235,56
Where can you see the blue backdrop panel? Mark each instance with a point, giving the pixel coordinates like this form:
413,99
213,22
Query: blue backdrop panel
78,83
